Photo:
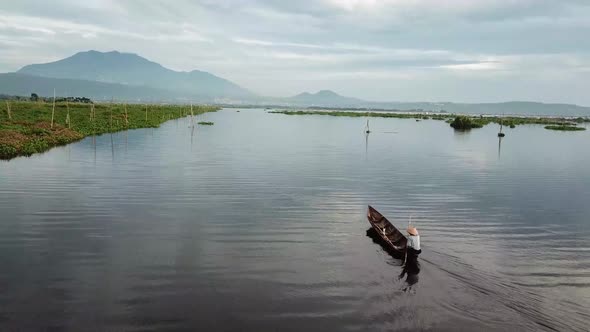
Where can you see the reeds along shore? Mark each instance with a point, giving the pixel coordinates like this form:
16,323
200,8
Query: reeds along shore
31,127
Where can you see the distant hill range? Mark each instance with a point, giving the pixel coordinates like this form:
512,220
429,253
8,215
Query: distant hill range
130,77
136,73
324,98
330,99
24,85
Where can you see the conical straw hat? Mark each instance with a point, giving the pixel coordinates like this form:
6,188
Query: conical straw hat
412,231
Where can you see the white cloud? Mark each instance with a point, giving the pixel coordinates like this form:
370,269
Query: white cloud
258,42
473,66
351,5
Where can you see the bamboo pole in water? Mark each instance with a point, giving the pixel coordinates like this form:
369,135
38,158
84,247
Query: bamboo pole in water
93,121
68,114
8,110
111,112
146,109
192,116
126,116
92,112
53,109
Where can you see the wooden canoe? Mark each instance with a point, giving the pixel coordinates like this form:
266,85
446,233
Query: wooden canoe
392,236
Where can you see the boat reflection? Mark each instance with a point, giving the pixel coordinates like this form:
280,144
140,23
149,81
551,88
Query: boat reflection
372,233
410,270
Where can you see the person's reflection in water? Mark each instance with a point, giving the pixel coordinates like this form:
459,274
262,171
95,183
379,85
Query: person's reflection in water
410,270
411,267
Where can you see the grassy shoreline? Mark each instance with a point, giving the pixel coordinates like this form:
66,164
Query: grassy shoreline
565,128
477,121
26,129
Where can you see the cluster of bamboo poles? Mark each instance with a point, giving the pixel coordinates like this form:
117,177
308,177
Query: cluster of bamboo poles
93,113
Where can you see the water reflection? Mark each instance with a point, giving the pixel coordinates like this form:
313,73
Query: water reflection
192,136
410,270
366,146
263,231
372,233
462,135
112,147
499,146
94,147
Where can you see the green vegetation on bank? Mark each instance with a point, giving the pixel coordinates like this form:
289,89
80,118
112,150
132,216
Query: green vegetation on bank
471,121
26,127
565,128
463,122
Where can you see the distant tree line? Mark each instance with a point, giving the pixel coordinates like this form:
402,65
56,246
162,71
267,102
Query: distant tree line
71,99
9,97
372,109
36,97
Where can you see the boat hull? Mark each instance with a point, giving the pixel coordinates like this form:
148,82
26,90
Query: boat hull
390,235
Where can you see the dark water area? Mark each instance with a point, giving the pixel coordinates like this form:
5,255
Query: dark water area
258,223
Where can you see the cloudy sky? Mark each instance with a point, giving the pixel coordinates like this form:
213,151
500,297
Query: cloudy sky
383,50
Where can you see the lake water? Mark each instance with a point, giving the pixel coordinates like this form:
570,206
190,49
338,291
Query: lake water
258,223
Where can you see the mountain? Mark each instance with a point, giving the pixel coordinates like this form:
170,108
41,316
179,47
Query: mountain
132,69
23,85
325,98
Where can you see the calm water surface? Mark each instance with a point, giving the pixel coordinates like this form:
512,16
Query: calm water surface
258,223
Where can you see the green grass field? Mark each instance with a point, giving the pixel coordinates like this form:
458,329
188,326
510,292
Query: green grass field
28,129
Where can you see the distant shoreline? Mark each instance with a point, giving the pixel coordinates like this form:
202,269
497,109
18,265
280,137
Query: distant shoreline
481,120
